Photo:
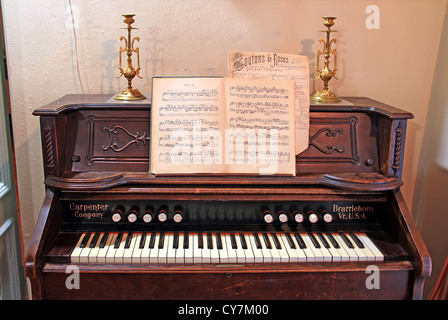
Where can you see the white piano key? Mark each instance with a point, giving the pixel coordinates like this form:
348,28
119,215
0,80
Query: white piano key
110,254
242,255
137,251
119,252
223,253
304,254
170,251
102,252
129,252
275,254
295,253
214,253
232,256
267,257
337,252
367,255
327,257
258,252
359,252
249,252
197,252
84,255
223,256
352,256
145,253
283,252
163,249
154,252
180,251
310,257
74,257
95,251
318,256
189,252
376,253
206,252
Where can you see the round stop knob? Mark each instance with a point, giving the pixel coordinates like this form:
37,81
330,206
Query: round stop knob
312,217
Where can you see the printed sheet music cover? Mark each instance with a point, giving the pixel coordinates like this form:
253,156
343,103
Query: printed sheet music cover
280,66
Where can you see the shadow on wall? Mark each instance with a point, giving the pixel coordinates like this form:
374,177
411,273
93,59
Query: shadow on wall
29,172
431,193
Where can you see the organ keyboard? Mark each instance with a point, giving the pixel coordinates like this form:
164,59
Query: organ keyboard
217,247
134,235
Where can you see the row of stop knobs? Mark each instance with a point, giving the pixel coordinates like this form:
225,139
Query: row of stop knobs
297,216
148,216
161,215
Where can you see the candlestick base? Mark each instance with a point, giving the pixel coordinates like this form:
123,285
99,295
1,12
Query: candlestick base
129,95
325,96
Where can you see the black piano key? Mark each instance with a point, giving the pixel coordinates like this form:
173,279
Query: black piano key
257,241
128,241
302,244
218,241
161,240
104,240
209,241
333,241
243,241
291,243
314,241
200,241
94,240
323,240
85,240
346,240
277,244
266,241
118,240
176,240
186,240
141,245
152,240
233,241
356,240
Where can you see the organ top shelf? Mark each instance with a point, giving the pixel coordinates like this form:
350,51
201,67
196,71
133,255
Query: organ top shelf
93,142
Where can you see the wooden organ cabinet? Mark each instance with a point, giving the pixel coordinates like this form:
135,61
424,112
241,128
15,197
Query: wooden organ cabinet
133,235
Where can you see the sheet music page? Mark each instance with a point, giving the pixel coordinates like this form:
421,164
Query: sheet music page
222,126
260,126
271,65
182,109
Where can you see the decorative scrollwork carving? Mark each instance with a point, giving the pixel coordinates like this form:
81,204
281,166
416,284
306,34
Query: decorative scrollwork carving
398,146
329,133
49,146
115,131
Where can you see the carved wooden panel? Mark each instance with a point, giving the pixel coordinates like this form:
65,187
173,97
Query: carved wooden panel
49,145
334,143
112,140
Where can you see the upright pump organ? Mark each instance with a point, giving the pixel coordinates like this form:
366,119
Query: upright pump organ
135,235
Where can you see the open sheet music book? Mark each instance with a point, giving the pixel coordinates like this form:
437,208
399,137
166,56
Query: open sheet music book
279,66
216,125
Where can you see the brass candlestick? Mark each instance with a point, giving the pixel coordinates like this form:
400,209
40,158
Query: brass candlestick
129,72
325,95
